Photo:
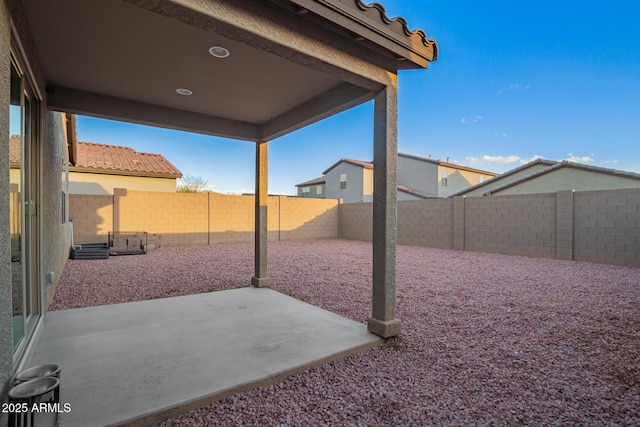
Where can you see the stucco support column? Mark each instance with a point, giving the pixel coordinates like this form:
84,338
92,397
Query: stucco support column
6,307
383,322
261,277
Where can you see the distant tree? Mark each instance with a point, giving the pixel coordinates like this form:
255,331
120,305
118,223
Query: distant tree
192,184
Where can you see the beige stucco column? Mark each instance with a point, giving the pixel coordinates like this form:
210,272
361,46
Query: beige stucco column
383,321
261,277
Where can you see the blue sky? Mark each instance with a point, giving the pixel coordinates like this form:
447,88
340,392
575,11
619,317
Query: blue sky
514,80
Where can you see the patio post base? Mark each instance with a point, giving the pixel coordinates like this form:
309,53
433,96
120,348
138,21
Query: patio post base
260,282
384,328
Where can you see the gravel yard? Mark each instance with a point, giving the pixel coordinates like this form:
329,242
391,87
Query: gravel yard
487,339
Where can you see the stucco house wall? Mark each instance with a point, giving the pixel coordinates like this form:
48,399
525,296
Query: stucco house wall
500,180
418,174
103,184
313,191
6,353
55,229
458,179
52,225
356,191
568,178
367,185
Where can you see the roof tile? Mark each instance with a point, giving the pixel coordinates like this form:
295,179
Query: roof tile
123,159
14,149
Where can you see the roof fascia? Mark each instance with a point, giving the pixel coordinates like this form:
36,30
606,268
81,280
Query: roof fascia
468,169
316,181
357,163
98,171
109,107
353,19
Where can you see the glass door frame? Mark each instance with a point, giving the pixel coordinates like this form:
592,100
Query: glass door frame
30,200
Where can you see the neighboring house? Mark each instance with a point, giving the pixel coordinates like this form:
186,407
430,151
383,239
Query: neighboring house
546,176
99,168
418,178
314,189
350,180
437,177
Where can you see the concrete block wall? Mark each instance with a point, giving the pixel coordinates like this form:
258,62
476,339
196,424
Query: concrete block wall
180,219
425,224
607,227
302,219
594,226
231,218
516,225
92,218
356,221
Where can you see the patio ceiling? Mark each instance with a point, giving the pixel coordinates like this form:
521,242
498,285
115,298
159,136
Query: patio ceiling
291,62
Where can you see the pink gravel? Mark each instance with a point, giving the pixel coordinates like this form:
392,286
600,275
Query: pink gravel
487,339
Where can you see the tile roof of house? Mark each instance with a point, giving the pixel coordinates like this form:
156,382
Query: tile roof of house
315,181
416,193
14,149
567,164
447,164
398,25
103,158
362,164
507,174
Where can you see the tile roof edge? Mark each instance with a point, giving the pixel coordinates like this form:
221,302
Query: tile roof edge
122,172
319,180
385,18
361,163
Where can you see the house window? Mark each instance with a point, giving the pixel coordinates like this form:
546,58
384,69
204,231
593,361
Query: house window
343,181
319,189
444,178
305,190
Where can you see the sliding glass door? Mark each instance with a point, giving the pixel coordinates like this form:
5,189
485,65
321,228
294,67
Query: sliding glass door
24,191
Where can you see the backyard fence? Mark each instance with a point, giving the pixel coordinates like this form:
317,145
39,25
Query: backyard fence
183,219
594,226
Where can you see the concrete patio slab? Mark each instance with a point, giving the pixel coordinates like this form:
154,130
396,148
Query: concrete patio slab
141,362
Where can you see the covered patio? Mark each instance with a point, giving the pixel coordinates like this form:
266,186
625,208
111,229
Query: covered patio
246,70
242,69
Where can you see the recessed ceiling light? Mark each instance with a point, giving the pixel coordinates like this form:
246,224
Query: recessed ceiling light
185,92
219,51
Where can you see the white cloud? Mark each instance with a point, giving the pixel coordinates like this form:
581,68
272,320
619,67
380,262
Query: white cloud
466,121
502,134
514,87
579,159
613,162
525,161
492,159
